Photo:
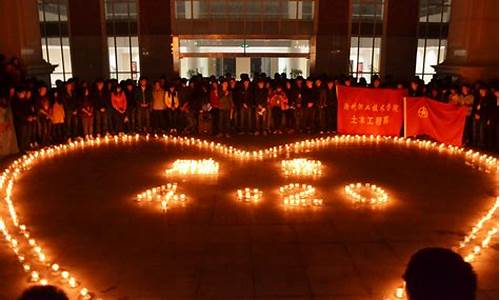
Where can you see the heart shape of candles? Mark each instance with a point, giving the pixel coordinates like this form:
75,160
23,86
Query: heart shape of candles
43,269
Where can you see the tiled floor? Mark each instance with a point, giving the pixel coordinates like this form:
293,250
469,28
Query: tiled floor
81,208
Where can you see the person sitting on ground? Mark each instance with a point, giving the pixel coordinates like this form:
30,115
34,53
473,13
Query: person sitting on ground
439,274
43,292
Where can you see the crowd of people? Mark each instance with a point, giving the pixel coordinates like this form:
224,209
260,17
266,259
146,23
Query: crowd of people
221,106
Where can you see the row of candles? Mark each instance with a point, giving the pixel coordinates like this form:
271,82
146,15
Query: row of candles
476,159
488,226
249,195
295,194
41,268
301,167
194,167
359,191
165,195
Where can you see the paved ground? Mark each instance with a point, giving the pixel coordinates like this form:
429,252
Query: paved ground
81,208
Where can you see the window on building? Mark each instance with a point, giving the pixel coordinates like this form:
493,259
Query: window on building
364,57
123,42
251,9
53,16
368,10
367,19
432,36
120,9
430,52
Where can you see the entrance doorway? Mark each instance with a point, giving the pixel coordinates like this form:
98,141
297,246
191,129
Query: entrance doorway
207,66
236,57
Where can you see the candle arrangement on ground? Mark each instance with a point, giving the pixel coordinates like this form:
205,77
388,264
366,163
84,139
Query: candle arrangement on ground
194,167
366,193
166,195
296,194
249,195
301,167
42,268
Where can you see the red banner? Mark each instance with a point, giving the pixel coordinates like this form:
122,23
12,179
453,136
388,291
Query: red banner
441,121
370,111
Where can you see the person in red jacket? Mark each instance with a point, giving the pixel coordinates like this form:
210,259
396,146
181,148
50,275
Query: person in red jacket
119,104
278,102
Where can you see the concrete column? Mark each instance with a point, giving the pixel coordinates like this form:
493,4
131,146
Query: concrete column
399,41
88,39
472,41
155,38
331,44
21,36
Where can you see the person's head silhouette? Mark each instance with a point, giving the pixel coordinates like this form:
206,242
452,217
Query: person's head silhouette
41,292
439,274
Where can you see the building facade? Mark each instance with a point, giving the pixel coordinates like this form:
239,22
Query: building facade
126,38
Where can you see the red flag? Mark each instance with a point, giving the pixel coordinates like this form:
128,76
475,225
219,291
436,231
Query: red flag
441,121
370,111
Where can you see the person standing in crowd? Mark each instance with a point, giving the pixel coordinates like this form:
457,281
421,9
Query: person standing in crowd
299,108
289,112
172,104
44,114
102,107
331,106
309,102
235,114
131,106
119,104
26,120
87,113
143,98
376,82
434,94
247,107
320,95
467,100
215,104
225,107
185,93
415,89
187,107
483,116
158,108
71,107
278,103
270,91
8,141
57,117
261,111
198,98
454,96
495,117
